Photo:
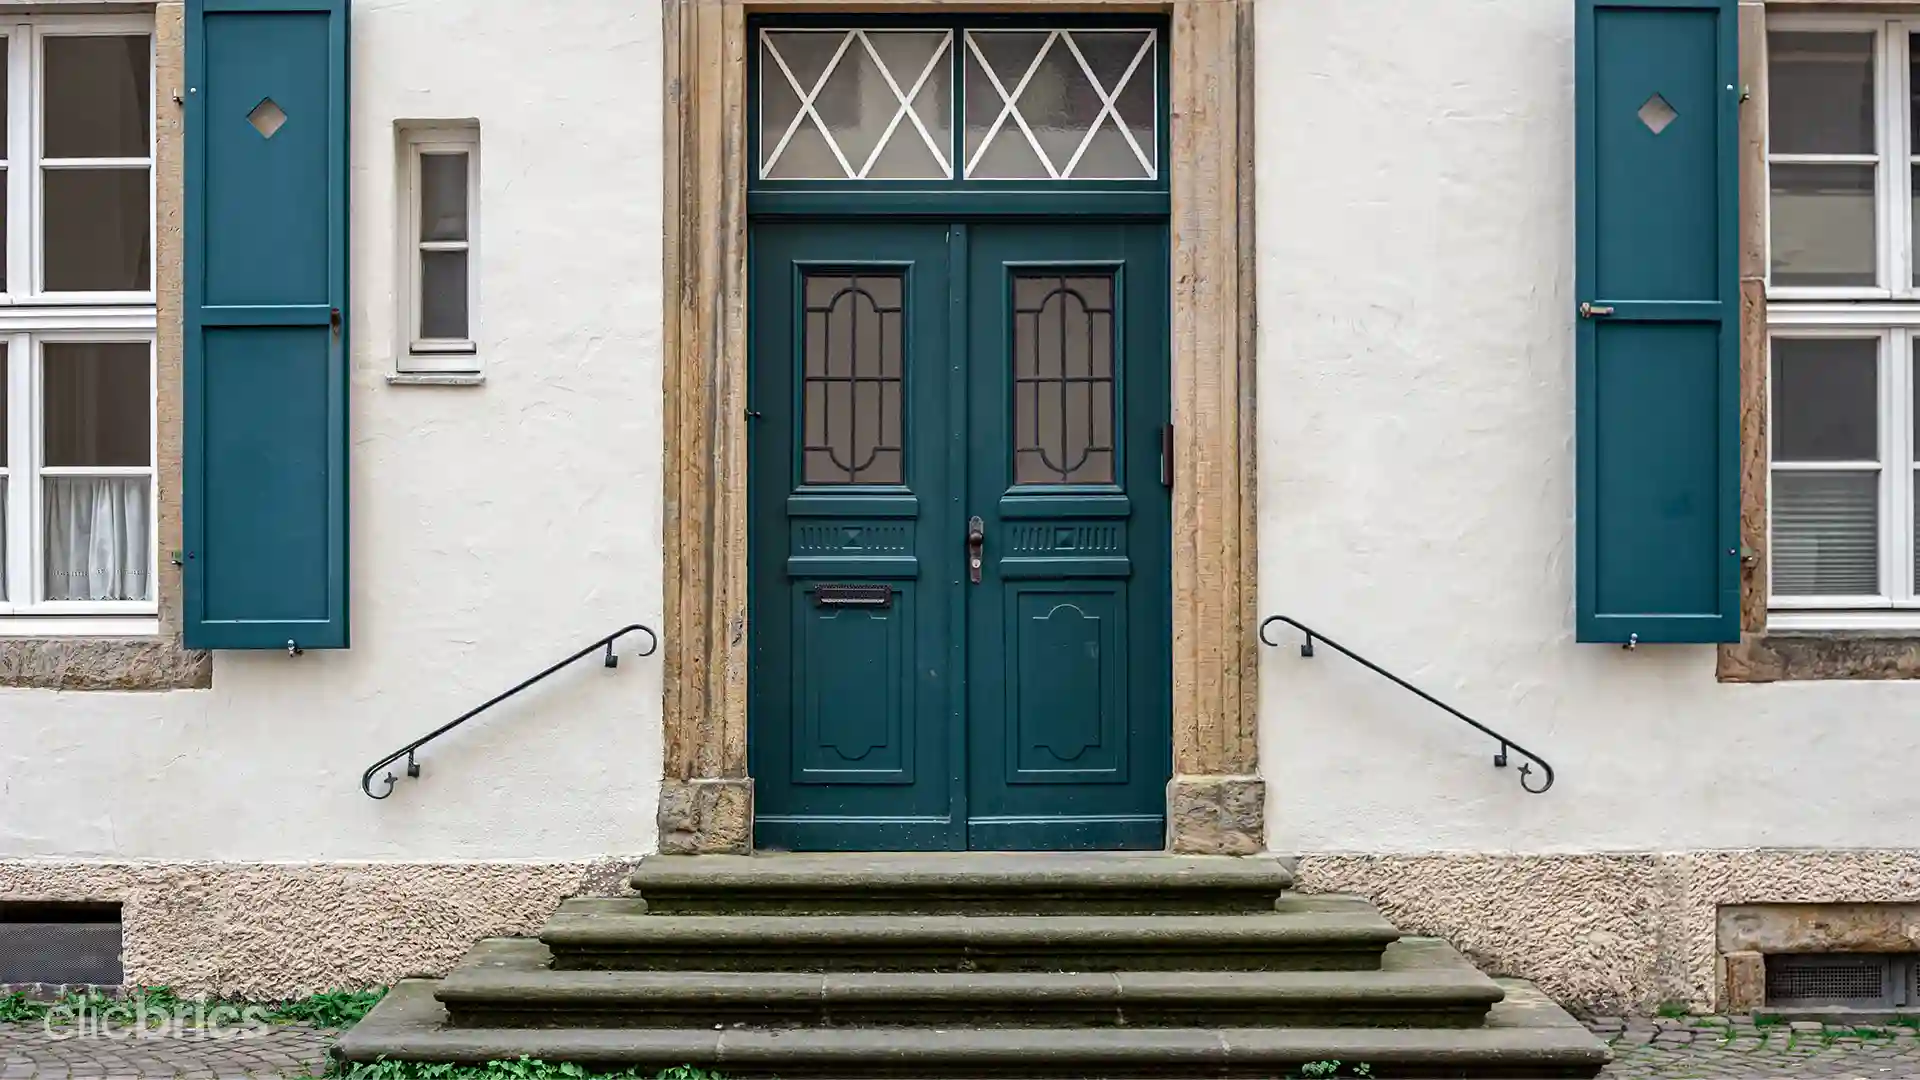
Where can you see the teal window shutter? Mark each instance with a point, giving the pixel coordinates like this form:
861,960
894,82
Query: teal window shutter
1658,353
266,337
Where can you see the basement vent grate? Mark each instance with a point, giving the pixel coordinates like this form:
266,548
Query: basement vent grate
1854,979
60,944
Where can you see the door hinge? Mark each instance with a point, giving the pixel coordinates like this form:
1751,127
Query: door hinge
1166,454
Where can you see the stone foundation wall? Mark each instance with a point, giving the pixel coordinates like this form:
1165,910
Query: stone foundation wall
1603,933
1606,933
274,930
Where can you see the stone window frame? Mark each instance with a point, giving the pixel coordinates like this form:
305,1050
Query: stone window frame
151,662
1215,799
1777,655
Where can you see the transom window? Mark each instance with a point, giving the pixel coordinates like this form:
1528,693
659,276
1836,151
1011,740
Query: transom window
77,501
968,103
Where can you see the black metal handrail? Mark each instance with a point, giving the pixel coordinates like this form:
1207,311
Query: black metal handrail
407,751
1506,744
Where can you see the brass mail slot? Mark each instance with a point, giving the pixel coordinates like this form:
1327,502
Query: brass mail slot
876,596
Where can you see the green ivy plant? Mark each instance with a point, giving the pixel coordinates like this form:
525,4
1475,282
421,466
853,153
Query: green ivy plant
333,1009
525,1068
1315,1070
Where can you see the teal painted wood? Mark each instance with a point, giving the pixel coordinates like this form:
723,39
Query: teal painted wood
1658,377
1069,660
266,291
849,709
862,732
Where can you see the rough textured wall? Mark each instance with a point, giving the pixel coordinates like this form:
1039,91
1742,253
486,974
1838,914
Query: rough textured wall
1417,309
495,528
1604,933
268,931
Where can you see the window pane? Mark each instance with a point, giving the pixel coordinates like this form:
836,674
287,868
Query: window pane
96,230
1826,399
1820,93
5,44
443,196
1060,104
1822,224
98,538
856,75
851,374
443,295
1826,533
98,403
97,96
1062,380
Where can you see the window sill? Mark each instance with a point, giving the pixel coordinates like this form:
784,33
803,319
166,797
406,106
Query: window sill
1777,655
78,626
437,378
125,664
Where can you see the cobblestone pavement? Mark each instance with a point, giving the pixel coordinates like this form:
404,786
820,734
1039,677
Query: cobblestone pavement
1691,1048
33,1052
1736,1048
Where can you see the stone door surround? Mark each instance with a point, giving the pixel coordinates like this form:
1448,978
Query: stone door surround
1216,800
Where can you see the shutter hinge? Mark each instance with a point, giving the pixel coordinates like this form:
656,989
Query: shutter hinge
1594,311
1166,454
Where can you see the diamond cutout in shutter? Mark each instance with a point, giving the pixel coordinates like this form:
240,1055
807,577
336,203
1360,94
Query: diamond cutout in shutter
1657,114
267,118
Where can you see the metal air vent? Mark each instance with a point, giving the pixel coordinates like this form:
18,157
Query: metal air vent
60,944
1860,980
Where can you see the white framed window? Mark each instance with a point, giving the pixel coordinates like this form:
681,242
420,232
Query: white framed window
1843,315
78,499
439,226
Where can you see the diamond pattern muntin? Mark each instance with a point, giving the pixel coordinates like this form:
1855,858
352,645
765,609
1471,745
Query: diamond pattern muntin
1067,95
855,104
1037,104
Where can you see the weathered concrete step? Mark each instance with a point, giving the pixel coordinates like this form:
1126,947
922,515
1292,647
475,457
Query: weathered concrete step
1525,1036
970,883
1303,933
506,982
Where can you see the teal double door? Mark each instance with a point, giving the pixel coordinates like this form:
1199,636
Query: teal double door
959,541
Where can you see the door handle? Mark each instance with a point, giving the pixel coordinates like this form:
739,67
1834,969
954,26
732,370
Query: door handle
976,546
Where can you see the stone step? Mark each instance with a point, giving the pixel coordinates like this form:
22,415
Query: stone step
1525,1036
1302,933
1422,982
970,883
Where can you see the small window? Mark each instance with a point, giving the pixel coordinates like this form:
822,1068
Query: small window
440,204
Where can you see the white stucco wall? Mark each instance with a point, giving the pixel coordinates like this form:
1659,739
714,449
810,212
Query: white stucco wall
495,529
1417,482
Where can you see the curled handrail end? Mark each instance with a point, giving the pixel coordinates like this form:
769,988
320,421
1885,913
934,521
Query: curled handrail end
1546,772
366,782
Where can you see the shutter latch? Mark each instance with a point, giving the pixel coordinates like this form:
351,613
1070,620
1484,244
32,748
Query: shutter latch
333,320
294,649
1594,311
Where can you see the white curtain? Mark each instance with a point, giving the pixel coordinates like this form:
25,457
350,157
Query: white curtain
97,538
